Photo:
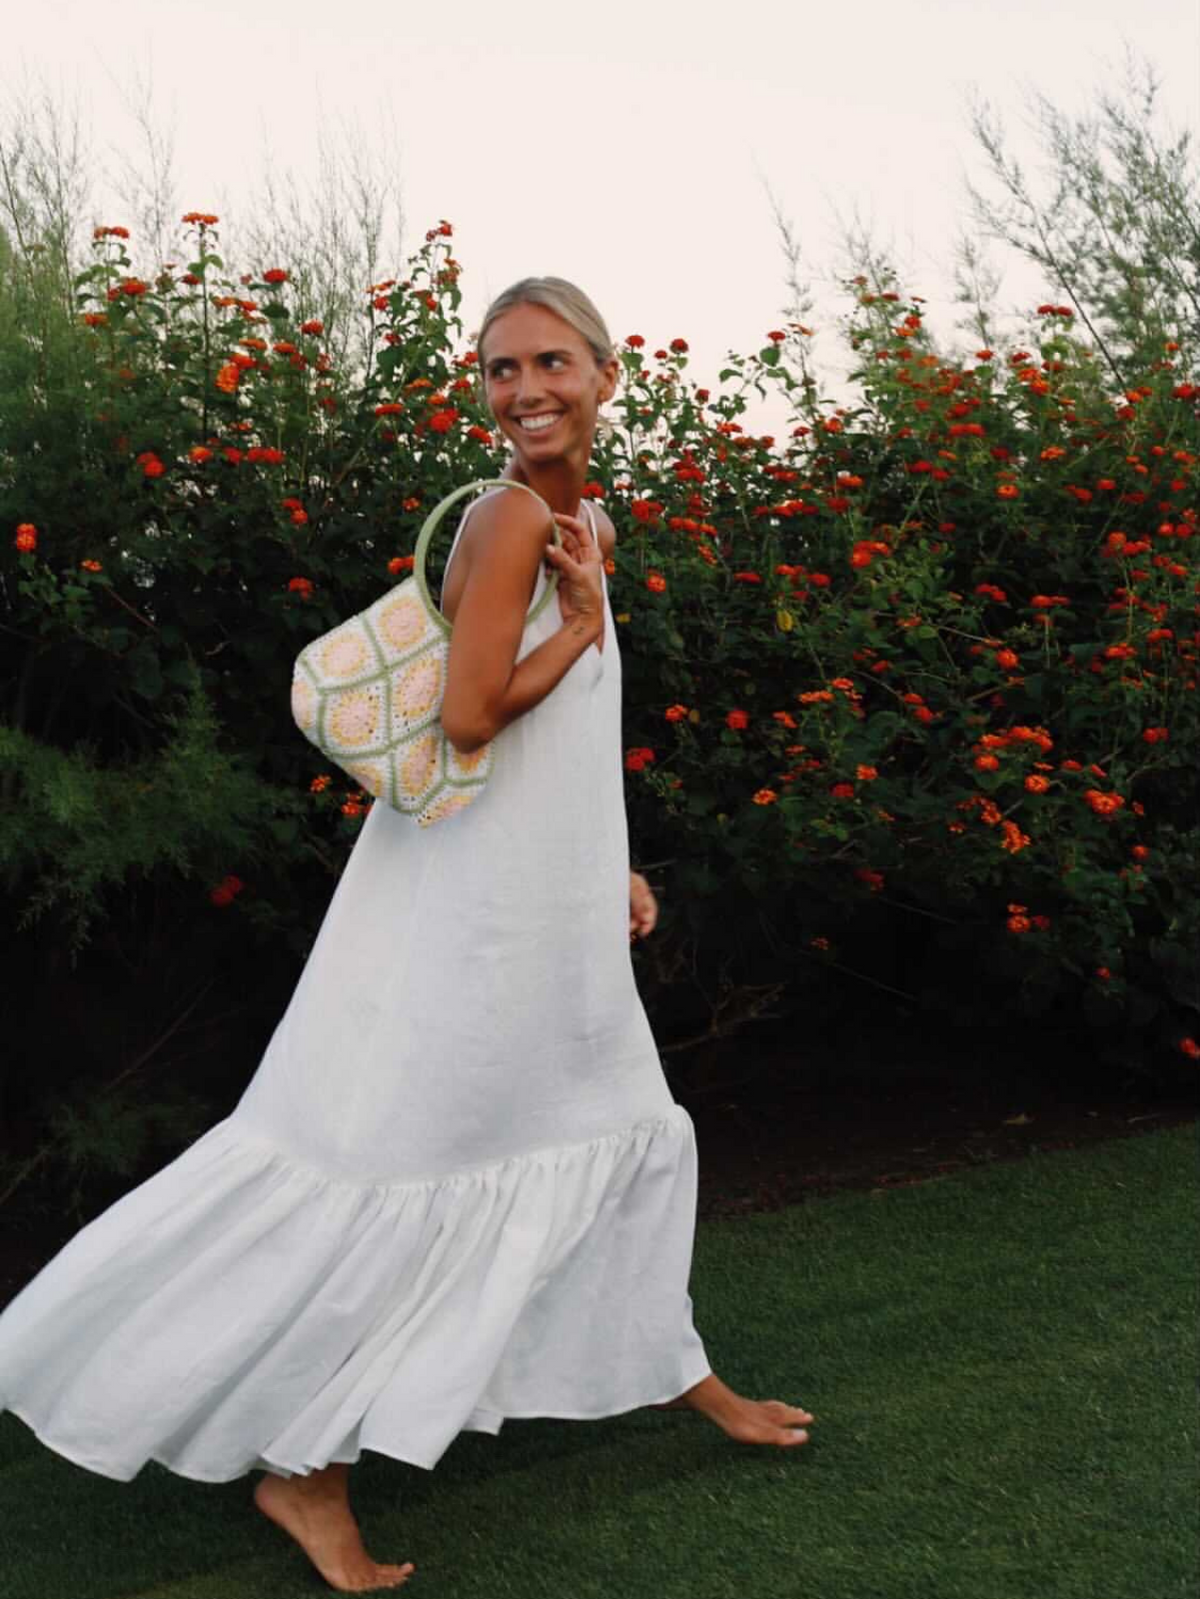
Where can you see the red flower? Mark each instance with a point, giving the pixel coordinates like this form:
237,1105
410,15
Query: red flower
390,408
1009,659
746,577
1156,735
275,275
679,346
479,434
91,566
656,582
842,791
443,421
636,759
301,586
26,539
153,467
675,713
400,563
203,219
765,796
221,895
635,341
776,337
313,325
737,719
1190,1048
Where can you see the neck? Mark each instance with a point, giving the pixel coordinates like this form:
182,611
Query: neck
560,483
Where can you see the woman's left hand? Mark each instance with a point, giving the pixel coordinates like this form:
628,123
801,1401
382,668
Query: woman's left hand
643,907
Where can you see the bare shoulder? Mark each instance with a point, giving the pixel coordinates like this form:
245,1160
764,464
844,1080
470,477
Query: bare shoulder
523,519
606,531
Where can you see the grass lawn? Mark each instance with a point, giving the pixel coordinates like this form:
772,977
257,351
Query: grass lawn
1003,1365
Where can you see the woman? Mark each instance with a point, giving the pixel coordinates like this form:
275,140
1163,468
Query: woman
457,1189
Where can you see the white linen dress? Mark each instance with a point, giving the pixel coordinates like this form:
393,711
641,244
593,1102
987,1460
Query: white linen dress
457,1189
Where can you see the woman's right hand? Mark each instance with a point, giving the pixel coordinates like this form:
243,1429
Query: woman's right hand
579,567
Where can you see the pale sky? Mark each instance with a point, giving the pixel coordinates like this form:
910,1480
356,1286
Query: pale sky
628,144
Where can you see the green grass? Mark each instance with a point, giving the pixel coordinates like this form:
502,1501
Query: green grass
1003,1368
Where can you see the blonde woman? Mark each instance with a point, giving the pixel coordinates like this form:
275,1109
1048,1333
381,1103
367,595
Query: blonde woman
457,1189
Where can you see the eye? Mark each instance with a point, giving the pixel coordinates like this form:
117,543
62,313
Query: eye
553,359
499,369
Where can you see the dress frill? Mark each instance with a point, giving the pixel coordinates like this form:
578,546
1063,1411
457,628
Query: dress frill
241,1309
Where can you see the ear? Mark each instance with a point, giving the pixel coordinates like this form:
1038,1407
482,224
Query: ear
609,372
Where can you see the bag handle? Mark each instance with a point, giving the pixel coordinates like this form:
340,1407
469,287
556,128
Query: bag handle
430,527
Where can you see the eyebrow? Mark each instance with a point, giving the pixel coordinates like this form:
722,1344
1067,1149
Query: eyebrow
495,360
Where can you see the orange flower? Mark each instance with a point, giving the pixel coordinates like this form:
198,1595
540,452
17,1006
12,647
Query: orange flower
91,566
784,719
228,377
765,796
203,219
391,408
866,774
1008,491
26,539
1012,839
1019,924
200,453
675,713
610,566
1037,785
313,325
1008,659
737,719
987,763
656,582
400,563
1105,805
320,784
95,319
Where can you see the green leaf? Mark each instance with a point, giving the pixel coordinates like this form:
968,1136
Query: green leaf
146,672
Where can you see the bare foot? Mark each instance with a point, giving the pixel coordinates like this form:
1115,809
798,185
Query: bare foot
750,1421
315,1511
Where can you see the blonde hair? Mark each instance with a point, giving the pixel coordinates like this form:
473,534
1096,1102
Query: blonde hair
565,300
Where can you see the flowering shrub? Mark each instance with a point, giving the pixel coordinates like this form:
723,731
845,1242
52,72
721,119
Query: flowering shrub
910,692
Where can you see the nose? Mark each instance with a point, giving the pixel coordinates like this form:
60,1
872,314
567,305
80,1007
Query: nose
529,388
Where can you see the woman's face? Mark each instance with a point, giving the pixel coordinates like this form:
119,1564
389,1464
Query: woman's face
543,385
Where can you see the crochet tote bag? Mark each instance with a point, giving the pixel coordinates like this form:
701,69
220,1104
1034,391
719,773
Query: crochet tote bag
369,693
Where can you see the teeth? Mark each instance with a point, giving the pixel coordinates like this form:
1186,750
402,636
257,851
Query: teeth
536,424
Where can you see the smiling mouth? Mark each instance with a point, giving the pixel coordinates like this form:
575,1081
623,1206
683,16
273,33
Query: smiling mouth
540,422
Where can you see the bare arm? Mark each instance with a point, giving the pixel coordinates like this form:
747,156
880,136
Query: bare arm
486,687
